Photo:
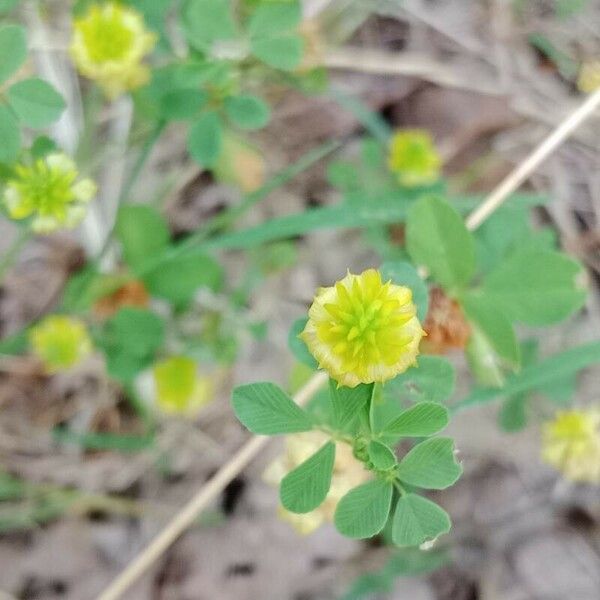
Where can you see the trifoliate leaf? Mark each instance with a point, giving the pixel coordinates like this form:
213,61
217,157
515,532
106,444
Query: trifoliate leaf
304,488
418,520
363,511
266,409
430,465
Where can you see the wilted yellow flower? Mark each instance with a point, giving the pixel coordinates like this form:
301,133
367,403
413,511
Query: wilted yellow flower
347,473
179,387
48,191
362,330
60,342
589,77
571,444
413,158
109,45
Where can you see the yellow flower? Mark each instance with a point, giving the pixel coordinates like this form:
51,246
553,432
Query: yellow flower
571,444
589,77
179,387
48,191
109,45
413,158
347,473
60,342
363,330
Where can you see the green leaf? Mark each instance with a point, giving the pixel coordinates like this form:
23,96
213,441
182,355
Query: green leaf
382,457
208,21
433,379
554,368
247,112
513,415
13,50
42,146
418,520
492,323
177,280
205,139
403,273
7,5
402,563
536,287
342,215
305,488
430,465
363,511
35,102
436,237
282,52
297,345
142,232
10,136
348,403
272,19
130,340
182,104
422,420
266,409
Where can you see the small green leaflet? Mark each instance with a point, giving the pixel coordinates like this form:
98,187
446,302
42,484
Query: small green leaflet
363,511
430,465
35,102
381,456
266,409
247,112
418,520
205,139
348,403
13,50
436,237
423,419
304,488
142,231
403,273
9,134
208,21
433,379
273,19
536,287
492,323
280,52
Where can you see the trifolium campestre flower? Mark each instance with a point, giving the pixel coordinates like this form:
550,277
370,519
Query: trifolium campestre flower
363,330
60,342
571,444
109,45
180,389
413,158
49,192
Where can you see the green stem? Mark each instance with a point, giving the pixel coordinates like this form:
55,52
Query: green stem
11,254
141,160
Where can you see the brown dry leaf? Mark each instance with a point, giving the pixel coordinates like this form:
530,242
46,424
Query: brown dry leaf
445,324
132,293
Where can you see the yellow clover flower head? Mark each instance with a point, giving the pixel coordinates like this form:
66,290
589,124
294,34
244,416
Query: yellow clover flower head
571,444
50,192
347,474
362,330
109,45
179,387
413,158
588,79
60,342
